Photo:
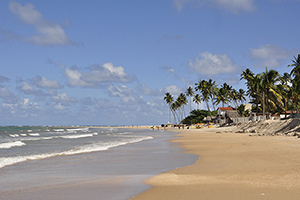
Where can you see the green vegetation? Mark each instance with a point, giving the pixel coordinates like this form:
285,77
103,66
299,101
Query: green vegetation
268,92
197,116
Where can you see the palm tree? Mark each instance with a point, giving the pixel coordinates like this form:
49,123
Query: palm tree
197,100
234,96
181,99
285,88
223,94
190,92
204,89
254,87
296,64
295,94
174,107
213,88
296,74
169,100
269,80
241,96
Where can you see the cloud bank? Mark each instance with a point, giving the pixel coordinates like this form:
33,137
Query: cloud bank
47,34
269,55
96,75
234,6
211,65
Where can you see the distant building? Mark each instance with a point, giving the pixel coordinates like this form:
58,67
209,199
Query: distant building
222,110
248,107
288,114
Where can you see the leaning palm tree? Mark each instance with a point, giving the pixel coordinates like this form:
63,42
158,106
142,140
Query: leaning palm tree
254,87
269,80
234,96
181,99
204,89
295,94
169,100
222,97
190,92
212,88
197,100
296,64
285,88
241,96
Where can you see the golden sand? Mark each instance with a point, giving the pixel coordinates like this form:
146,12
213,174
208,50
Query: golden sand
231,166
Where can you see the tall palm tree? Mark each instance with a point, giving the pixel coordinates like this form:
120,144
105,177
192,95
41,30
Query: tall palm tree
169,100
273,97
296,64
190,92
295,94
197,100
174,107
203,87
254,87
223,95
241,96
234,96
285,89
182,101
213,89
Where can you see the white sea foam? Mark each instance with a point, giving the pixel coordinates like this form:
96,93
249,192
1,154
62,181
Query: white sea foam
23,134
34,134
8,145
5,161
14,135
76,136
59,130
78,129
29,130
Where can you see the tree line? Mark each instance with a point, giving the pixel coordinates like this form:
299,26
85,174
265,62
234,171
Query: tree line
268,92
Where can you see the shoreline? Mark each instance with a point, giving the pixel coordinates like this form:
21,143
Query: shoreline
230,166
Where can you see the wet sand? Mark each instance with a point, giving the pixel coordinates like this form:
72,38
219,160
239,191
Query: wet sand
231,166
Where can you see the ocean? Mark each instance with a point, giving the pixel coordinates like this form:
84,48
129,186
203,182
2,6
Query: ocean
44,162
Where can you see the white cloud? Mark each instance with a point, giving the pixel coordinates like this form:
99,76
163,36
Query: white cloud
212,65
168,68
59,107
180,4
43,82
3,79
235,5
231,5
7,96
64,99
23,108
173,89
126,94
144,90
26,88
269,55
96,75
75,78
48,34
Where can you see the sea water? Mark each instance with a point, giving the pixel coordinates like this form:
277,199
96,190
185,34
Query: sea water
83,162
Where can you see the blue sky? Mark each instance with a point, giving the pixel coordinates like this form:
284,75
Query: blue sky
111,62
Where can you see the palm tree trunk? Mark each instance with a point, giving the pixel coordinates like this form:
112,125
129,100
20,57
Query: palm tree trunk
285,108
208,110
263,103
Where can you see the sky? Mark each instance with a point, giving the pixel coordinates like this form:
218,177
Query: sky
110,62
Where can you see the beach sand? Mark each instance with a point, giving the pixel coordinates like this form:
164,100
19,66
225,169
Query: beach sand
231,166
